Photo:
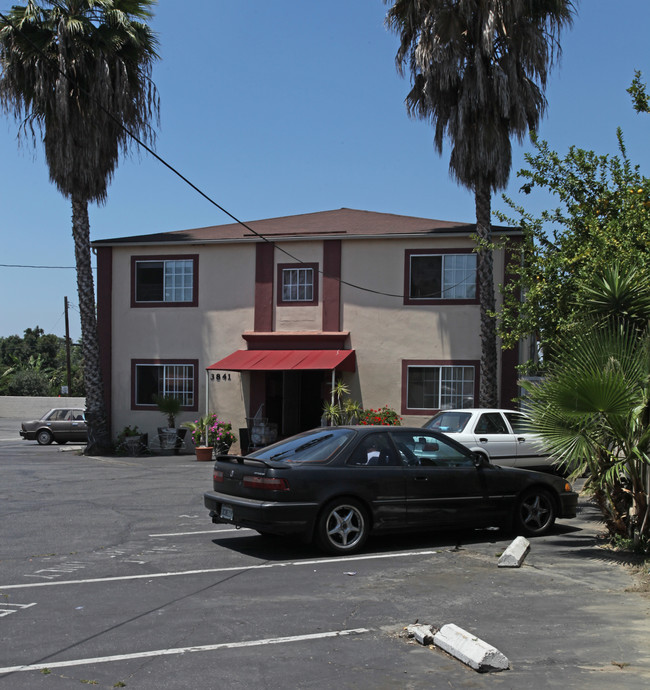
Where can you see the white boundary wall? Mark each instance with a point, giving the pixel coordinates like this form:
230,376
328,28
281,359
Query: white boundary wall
26,407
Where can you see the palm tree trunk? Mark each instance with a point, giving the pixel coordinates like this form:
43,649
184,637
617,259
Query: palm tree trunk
98,435
488,376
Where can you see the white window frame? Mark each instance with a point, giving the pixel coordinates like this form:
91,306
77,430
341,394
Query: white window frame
457,276
177,379
177,280
460,378
298,284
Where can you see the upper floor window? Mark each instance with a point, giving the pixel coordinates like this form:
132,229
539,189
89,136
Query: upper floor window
164,281
153,379
298,284
432,278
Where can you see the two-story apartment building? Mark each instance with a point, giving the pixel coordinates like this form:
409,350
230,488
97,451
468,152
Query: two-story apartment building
237,318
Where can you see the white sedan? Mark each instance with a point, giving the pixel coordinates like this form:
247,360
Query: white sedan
501,436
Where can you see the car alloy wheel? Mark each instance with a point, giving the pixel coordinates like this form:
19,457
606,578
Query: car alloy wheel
535,513
44,437
343,527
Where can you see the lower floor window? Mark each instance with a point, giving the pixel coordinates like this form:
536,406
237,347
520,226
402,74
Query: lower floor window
157,379
440,387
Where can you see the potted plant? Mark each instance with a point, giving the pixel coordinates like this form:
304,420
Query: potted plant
199,433
220,435
170,436
132,441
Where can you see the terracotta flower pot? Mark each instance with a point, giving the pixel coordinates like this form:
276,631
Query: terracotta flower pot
203,453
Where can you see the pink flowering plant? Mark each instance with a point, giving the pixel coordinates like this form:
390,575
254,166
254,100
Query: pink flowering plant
220,433
210,431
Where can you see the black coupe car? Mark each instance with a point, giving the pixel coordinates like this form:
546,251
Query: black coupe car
337,485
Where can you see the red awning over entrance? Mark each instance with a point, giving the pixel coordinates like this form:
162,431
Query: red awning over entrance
285,360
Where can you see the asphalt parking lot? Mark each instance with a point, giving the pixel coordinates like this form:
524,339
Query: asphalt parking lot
112,575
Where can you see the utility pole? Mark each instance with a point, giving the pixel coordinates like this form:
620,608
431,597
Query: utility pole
67,346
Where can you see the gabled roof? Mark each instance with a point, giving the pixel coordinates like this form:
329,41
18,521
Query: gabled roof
341,223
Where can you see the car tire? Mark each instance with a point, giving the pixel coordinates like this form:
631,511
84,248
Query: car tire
44,437
343,526
535,513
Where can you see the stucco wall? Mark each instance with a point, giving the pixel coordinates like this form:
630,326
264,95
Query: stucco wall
226,295
383,330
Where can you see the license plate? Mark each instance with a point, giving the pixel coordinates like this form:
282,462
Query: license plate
226,512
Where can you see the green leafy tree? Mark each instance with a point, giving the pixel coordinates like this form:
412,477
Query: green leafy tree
29,382
12,350
603,212
43,356
639,93
76,73
593,406
478,70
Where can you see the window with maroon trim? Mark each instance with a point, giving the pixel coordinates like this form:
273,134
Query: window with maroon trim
430,386
164,281
152,378
297,284
440,277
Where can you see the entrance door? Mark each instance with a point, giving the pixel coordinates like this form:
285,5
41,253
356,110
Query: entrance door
294,400
291,403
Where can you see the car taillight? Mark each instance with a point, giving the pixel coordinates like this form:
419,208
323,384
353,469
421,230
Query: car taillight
267,483
218,476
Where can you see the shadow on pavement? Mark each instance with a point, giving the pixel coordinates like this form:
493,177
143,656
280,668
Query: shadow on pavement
275,548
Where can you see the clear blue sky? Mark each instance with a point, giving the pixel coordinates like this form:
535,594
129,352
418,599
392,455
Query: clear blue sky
286,107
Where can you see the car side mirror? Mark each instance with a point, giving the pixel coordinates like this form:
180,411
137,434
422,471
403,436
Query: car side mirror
480,460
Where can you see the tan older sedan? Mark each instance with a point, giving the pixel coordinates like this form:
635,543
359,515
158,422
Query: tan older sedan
61,424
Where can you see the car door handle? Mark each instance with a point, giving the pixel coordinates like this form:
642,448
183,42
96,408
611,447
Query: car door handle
521,439
483,440
421,479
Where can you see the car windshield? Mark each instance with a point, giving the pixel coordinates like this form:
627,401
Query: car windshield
449,422
314,446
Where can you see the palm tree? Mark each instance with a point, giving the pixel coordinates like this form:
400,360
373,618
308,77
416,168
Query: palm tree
478,70
593,408
77,72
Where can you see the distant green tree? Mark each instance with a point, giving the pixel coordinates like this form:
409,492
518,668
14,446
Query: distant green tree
44,354
12,350
29,382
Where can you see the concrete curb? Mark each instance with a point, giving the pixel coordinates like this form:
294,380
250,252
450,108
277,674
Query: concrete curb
514,555
469,649
422,633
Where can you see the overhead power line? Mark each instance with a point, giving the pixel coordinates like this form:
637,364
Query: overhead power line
28,266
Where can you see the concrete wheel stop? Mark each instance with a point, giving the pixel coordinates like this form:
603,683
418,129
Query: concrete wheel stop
462,645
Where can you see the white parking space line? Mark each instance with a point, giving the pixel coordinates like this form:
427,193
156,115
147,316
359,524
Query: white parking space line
206,571
182,650
209,531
